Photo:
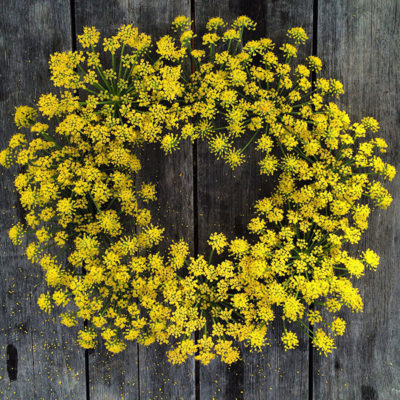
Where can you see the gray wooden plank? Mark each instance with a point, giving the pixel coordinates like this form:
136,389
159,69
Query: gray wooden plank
159,380
148,367
358,42
38,358
225,199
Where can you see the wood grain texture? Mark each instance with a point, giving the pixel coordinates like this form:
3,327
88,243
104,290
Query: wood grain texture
142,372
38,359
225,201
359,43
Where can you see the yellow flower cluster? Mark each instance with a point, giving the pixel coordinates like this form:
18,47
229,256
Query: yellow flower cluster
81,198
24,116
324,169
78,186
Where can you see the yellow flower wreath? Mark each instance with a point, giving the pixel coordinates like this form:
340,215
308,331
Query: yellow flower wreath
88,223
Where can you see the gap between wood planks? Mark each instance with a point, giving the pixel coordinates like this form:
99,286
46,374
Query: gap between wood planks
73,47
195,203
314,52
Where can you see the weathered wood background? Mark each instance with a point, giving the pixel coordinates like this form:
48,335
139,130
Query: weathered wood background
359,42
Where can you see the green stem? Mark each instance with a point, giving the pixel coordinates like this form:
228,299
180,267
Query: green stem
249,142
229,44
90,91
100,72
97,84
211,256
305,332
91,198
120,61
113,65
239,41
